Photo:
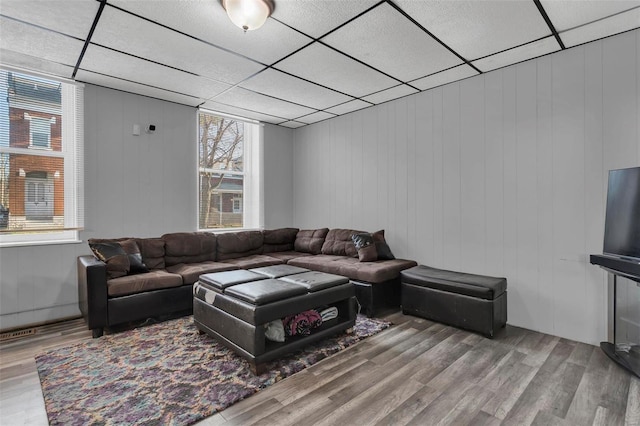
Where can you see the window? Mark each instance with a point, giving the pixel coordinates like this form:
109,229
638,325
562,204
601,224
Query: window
39,131
228,173
41,135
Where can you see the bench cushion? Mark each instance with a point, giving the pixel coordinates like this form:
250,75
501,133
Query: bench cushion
480,286
315,281
265,291
222,280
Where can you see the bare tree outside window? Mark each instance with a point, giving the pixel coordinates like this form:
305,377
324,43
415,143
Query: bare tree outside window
221,169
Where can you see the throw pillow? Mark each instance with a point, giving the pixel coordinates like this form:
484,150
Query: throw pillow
366,247
114,256
372,247
136,265
383,249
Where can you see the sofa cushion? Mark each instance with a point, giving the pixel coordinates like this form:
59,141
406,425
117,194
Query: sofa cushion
286,256
189,247
315,263
152,251
233,245
339,243
372,272
310,240
255,261
281,239
190,272
132,284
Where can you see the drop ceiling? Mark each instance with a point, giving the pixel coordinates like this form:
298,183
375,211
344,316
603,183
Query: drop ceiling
312,60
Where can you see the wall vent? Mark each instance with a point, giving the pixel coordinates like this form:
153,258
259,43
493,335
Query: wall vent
16,334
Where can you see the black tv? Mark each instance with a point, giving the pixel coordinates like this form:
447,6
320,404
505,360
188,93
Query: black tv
622,222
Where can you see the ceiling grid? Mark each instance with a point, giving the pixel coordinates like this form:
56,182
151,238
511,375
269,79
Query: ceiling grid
311,61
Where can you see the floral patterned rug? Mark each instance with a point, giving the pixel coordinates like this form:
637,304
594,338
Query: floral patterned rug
163,374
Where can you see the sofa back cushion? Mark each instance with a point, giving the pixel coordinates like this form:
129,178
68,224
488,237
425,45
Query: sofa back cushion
233,245
310,240
152,251
189,247
339,243
276,240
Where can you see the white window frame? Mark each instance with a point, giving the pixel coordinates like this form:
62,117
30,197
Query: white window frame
72,152
253,188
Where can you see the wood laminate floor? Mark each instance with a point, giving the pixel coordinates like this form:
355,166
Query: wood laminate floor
415,373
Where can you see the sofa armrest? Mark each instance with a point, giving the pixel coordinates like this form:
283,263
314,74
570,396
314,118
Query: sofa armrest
92,292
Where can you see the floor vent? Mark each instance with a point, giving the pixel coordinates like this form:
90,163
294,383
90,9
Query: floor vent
16,334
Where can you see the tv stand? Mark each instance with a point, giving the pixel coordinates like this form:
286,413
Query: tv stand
628,359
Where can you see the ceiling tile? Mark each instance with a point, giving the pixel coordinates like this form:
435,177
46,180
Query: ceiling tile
241,112
127,86
444,77
350,106
389,94
240,97
604,28
327,67
396,47
283,86
479,28
39,43
567,14
127,33
109,62
518,54
315,117
208,21
71,17
33,63
292,124
316,18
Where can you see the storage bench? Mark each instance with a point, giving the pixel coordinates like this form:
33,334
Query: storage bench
235,309
473,302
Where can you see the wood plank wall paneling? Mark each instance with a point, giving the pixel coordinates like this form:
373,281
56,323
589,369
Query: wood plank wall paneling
502,174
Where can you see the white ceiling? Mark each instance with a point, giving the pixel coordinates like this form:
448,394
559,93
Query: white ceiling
311,61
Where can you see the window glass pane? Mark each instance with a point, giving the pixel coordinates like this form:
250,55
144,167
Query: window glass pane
221,167
35,193
40,195
40,140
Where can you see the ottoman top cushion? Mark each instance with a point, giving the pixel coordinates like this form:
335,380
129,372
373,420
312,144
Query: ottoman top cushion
277,271
265,291
315,281
222,280
481,286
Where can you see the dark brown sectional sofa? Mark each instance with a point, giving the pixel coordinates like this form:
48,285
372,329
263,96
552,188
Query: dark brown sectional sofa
112,291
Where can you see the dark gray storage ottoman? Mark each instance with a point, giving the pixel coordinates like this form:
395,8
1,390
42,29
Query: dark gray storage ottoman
473,302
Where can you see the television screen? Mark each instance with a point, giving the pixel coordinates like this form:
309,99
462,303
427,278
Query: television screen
622,223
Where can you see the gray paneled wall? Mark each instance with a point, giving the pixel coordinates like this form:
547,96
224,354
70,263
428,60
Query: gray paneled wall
134,185
501,174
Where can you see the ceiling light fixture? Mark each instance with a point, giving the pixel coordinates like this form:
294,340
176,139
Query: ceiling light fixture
248,14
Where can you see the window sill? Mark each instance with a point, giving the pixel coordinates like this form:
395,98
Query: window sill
39,243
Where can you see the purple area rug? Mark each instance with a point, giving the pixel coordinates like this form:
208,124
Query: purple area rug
163,374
